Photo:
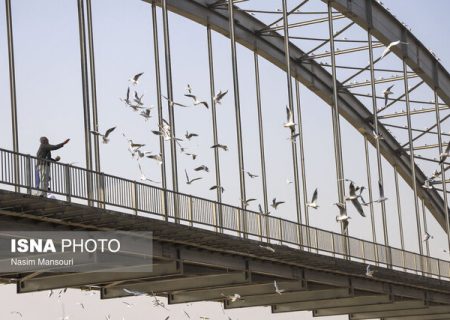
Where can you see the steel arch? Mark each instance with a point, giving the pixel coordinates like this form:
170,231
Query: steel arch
367,14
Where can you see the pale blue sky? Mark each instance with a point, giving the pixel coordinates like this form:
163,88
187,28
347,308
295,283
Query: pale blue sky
50,103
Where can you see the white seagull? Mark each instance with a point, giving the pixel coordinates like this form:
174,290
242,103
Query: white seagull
144,177
277,289
313,204
189,181
217,187
290,119
426,237
190,135
135,78
233,298
354,198
343,219
221,146
202,168
251,175
369,272
105,135
443,156
218,97
387,93
196,101
389,47
276,203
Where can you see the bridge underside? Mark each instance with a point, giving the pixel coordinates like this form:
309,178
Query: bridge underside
192,264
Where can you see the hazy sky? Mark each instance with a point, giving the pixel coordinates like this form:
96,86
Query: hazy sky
49,103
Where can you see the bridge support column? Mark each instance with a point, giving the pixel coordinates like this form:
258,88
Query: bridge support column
261,143
237,106
173,146
12,92
337,127
399,212
214,127
86,105
159,107
412,163
444,184
369,188
291,108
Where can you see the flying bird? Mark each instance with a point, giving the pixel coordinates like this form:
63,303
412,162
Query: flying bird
246,202
202,168
276,203
389,47
189,181
313,204
344,220
221,146
135,293
138,99
156,157
387,93
354,198
173,103
146,113
218,97
129,305
194,156
290,119
144,177
251,175
190,135
105,135
17,313
196,101
135,78
277,289
189,88
262,211
267,248
443,156
426,237
127,97
217,187
233,298
369,271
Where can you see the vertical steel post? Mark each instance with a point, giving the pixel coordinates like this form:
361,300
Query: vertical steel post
214,124
411,155
93,84
369,188
336,120
444,185
173,146
399,212
262,155
159,106
291,107
377,139
12,92
425,227
302,161
85,90
237,105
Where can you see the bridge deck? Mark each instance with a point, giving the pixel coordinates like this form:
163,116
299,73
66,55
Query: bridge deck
193,264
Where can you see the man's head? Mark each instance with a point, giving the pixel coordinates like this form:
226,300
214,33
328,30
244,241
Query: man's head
44,140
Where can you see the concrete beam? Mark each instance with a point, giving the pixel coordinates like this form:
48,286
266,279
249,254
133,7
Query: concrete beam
244,290
274,298
68,280
422,317
399,305
412,312
332,303
177,284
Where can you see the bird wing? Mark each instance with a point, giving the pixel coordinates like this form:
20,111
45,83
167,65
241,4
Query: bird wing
205,104
109,131
128,94
187,177
195,179
389,88
352,189
137,76
358,207
96,133
447,150
314,197
381,189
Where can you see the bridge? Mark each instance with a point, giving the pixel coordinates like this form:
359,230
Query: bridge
208,249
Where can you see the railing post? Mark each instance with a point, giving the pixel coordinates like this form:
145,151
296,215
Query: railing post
135,199
28,174
333,245
68,179
190,212
363,250
238,220
280,230
260,227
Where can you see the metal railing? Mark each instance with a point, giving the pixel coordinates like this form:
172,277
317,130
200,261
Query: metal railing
106,191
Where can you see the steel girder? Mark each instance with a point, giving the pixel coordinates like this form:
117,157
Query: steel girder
383,26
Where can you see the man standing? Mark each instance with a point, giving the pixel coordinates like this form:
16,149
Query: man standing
44,156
